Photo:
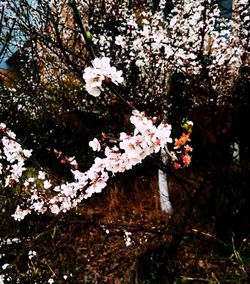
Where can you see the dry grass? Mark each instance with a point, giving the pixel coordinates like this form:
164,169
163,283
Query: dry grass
92,244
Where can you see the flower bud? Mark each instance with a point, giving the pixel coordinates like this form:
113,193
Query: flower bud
89,35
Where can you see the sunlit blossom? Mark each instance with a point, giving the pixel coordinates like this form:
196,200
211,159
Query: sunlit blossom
94,76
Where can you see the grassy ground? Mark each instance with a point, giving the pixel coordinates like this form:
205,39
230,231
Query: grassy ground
121,236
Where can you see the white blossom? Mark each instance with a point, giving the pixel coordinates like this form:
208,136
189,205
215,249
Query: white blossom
94,76
20,213
95,145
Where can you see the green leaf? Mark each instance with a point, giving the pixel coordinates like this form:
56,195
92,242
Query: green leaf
53,234
89,35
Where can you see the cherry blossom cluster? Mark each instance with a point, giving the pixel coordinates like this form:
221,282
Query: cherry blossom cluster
193,38
99,73
203,41
130,150
12,157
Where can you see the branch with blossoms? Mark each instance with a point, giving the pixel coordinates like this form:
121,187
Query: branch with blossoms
12,157
150,45
130,149
102,74
146,139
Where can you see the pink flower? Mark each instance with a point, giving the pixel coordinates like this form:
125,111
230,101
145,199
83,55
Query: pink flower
186,159
20,213
54,209
38,206
188,148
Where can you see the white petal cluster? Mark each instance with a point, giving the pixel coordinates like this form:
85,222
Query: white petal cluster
95,145
146,139
20,213
13,155
192,37
101,70
127,238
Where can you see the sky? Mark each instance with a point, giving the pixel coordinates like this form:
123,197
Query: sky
8,52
